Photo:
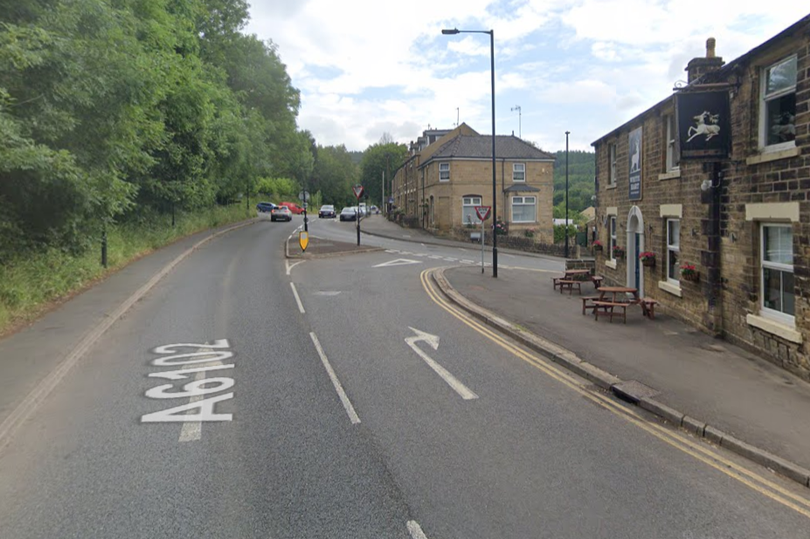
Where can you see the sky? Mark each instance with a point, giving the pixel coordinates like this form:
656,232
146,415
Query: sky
370,67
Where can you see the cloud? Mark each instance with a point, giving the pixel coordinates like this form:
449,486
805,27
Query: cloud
582,65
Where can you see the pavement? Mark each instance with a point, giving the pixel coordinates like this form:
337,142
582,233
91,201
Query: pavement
707,386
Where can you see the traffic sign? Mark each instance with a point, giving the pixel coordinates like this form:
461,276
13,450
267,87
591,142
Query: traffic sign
358,191
483,212
303,240
303,196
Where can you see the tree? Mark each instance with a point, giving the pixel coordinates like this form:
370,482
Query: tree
379,159
334,175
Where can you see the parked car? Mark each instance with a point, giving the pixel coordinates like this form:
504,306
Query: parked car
294,208
265,207
349,213
327,210
281,213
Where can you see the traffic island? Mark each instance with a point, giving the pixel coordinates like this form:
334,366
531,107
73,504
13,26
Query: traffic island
323,248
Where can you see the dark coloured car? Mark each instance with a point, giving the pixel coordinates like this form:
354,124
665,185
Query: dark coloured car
265,207
281,213
327,210
348,213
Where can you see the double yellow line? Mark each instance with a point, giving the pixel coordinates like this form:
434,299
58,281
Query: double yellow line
697,450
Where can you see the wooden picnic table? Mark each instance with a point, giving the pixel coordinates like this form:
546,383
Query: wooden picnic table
574,273
608,306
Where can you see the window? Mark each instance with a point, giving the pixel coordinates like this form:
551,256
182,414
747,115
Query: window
524,209
468,204
778,106
776,255
518,172
612,164
612,235
673,250
444,172
672,163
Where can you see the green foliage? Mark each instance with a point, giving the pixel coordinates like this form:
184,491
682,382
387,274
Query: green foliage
581,174
379,158
560,232
27,282
334,175
110,111
278,189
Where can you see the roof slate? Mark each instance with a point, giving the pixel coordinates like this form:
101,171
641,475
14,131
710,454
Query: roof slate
480,147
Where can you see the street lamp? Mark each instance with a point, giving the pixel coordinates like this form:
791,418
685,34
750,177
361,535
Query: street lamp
566,193
454,31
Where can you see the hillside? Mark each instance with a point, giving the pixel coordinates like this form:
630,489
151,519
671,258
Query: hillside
581,173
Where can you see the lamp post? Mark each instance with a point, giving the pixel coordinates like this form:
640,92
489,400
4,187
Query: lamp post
566,193
491,33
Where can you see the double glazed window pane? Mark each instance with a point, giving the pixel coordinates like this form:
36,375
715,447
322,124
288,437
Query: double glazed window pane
778,244
780,102
781,77
778,290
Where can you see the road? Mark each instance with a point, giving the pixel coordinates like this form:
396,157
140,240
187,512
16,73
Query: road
342,397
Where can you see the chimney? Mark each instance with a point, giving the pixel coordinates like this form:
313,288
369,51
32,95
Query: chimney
697,67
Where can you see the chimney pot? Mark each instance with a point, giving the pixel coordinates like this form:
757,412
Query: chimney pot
710,43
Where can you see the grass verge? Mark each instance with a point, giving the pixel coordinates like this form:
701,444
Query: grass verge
32,285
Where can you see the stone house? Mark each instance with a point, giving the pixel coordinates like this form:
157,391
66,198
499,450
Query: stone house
441,183
738,211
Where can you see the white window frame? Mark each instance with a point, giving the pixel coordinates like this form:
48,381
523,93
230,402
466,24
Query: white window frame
672,162
611,165
612,236
767,312
519,172
524,201
673,248
444,172
763,109
468,204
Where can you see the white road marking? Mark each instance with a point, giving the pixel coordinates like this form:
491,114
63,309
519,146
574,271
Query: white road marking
326,293
435,257
416,530
444,374
191,432
392,251
297,299
397,262
347,404
449,259
291,266
468,261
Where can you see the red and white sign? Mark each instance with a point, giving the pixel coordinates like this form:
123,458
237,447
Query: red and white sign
483,212
358,191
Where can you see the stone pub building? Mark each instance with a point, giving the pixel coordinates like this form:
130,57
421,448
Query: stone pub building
714,181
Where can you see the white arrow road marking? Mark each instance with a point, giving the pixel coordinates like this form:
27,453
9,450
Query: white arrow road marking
291,266
347,404
297,299
397,262
433,342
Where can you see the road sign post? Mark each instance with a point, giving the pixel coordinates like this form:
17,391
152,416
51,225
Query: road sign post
358,192
303,241
483,214
303,196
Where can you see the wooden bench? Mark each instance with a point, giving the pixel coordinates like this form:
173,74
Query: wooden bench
569,285
597,280
587,303
648,307
608,309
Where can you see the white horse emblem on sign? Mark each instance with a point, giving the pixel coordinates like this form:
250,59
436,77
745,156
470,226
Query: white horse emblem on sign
701,126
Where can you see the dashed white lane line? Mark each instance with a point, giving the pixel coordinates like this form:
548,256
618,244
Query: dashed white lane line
191,431
344,399
416,530
297,298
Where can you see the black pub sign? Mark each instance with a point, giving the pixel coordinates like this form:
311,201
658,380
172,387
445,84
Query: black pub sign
704,126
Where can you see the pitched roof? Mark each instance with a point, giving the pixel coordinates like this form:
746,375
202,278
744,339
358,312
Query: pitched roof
480,147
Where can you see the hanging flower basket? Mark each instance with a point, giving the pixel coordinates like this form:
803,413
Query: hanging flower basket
689,273
647,258
597,245
618,252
